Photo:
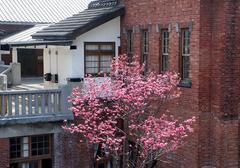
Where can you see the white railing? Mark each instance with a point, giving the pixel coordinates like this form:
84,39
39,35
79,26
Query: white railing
29,103
6,70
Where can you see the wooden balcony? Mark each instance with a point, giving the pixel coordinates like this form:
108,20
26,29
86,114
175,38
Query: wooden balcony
31,106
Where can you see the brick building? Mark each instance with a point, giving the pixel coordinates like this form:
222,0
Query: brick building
200,39
31,133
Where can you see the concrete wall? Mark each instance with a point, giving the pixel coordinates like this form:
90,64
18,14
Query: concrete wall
70,63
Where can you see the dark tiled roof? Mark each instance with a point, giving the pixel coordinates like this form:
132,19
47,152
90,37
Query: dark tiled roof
2,34
78,24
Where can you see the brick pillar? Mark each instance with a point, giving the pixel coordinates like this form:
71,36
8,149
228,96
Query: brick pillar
226,140
69,152
4,153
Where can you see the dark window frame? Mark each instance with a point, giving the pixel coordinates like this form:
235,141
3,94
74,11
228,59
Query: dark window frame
30,157
164,54
98,53
145,48
130,43
184,59
16,144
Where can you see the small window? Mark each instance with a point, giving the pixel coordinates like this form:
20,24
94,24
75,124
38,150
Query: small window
130,43
145,48
15,147
165,50
185,53
98,57
40,145
31,151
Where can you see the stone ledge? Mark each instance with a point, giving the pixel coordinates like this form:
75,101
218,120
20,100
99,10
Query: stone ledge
54,117
19,130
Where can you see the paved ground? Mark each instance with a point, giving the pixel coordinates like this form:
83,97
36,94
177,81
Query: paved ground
35,83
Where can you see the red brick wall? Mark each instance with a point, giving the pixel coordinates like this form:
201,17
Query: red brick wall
4,153
69,152
164,12
224,83
214,71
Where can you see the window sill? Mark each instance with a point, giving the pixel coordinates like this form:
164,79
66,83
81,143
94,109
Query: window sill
186,83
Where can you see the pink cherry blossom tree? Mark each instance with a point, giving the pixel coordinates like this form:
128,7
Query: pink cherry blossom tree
126,96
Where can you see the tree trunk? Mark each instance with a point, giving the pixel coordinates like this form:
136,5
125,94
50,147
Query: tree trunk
116,162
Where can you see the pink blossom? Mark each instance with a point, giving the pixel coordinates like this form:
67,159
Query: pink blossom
127,96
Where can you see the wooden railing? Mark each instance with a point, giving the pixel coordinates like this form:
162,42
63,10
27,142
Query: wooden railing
29,103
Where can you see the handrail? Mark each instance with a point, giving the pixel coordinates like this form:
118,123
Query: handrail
7,70
30,103
9,92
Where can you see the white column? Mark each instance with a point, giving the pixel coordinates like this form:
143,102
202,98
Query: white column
46,61
14,55
54,61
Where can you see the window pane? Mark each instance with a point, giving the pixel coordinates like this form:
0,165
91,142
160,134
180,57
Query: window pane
91,58
15,147
185,42
25,153
40,145
165,62
25,145
129,41
145,41
105,58
92,64
185,67
25,140
144,49
105,63
165,46
34,165
108,47
91,70
100,62
25,165
92,47
185,53
34,152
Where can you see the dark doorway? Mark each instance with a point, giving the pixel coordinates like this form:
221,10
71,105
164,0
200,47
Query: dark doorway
31,62
7,58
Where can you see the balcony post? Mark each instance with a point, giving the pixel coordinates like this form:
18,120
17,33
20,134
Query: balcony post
16,68
14,55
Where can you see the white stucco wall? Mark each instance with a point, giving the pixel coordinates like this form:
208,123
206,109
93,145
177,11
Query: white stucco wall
70,63
108,32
